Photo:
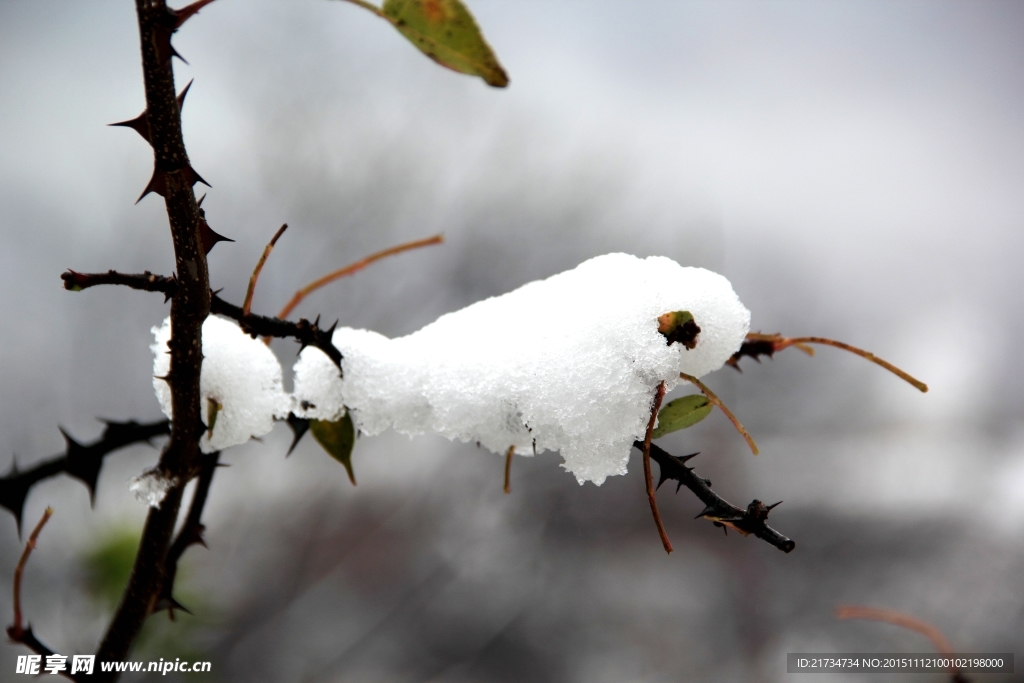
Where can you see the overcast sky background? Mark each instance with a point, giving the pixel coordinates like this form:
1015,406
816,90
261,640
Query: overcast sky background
855,168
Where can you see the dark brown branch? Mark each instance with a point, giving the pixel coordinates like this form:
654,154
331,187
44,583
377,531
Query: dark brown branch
190,305
752,520
191,533
147,281
305,332
82,461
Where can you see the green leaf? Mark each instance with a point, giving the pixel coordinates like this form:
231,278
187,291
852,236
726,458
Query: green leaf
445,31
337,438
682,413
212,410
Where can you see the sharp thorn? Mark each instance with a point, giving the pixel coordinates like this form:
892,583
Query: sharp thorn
175,53
181,96
185,13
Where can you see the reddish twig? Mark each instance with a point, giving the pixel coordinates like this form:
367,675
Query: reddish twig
354,268
648,480
17,631
247,304
508,469
728,413
889,616
758,344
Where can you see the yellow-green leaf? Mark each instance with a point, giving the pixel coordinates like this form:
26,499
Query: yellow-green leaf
445,31
682,413
213,409
337,438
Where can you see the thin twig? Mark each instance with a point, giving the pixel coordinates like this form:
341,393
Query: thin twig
508,469
728,413
758,344
354,267
889,616
16,631
648,480
247,304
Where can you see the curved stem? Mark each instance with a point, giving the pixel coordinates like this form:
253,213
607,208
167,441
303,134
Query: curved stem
728,413
247,304
17,630
354,268
648,479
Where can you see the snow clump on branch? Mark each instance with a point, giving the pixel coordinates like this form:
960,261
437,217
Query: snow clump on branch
240,380
567,364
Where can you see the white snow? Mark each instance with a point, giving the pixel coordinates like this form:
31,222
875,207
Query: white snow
150,488
240,373
570,363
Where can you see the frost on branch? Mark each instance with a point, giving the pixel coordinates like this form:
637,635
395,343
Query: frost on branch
569,363
150,488
241,381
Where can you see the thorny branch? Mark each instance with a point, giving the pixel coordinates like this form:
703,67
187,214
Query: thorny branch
173,178
305,332
752,520
80,460
191,533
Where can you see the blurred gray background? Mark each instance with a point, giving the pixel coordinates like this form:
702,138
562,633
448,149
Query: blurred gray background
855,168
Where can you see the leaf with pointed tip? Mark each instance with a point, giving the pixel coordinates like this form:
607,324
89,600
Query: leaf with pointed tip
682,413
445,31
337,438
